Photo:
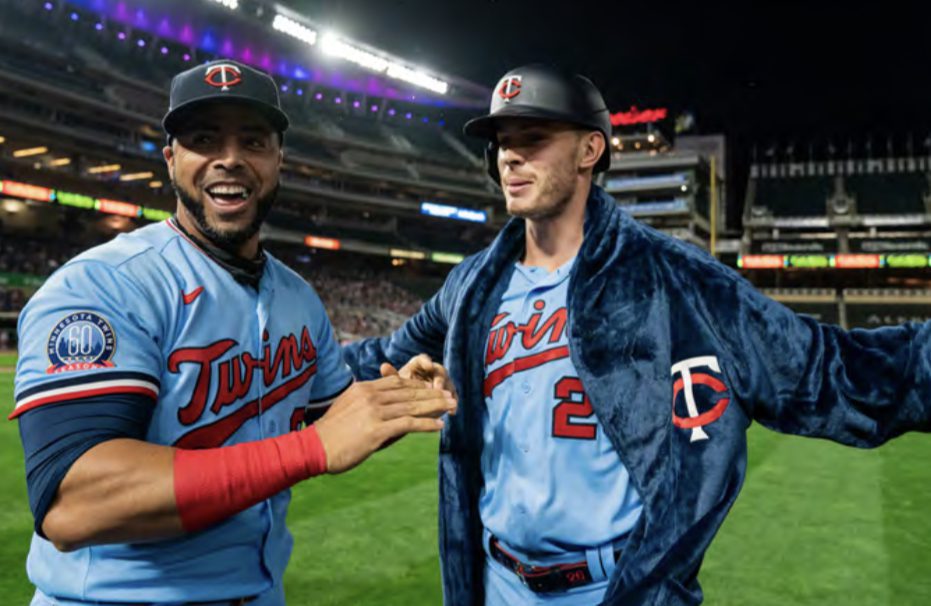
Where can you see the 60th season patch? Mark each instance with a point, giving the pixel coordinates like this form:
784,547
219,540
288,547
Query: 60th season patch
81,340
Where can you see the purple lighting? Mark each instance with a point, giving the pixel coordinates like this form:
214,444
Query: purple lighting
98,26
391,112
164,50
318,96
121,35
140,42
338,100
48,6
284,88
300,92
187,34
74,16
425,119
374,108
356,104
408,115
186,57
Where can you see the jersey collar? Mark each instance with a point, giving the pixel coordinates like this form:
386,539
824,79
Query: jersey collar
244,271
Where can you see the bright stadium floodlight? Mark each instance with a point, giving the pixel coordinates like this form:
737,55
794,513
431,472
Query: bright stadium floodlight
293,28
230,4
412,76
335,47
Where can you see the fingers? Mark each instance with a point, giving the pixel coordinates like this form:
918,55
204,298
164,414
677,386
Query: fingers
401,396
387,370
435,407
404,425
392,382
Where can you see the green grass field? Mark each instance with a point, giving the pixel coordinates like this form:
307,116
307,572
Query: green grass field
817,524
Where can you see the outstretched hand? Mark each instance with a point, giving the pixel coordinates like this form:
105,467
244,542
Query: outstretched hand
422,367
371,414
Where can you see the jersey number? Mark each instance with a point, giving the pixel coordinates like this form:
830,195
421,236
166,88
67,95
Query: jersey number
569,408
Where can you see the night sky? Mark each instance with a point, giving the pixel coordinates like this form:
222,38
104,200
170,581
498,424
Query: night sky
806,75
802,71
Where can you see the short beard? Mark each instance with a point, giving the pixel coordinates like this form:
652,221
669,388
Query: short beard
558,193
230,241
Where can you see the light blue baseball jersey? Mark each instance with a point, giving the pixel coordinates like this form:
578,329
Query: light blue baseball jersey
553,481
151,313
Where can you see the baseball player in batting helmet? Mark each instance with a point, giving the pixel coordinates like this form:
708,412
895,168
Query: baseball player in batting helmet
607,374
164,379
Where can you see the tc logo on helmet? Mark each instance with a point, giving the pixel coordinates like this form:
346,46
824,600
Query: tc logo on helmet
223,76
509,87
709,399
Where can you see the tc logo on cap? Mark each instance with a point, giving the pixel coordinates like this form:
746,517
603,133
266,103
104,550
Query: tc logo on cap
223,76
509,88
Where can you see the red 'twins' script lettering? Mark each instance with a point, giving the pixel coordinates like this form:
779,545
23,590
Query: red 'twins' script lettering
235,375
502,337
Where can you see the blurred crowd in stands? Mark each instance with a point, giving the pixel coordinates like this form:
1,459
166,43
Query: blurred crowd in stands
363,303
361,299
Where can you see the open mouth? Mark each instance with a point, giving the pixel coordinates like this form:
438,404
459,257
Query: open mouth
229,194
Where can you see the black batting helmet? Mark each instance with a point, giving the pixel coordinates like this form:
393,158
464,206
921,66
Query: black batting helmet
545,93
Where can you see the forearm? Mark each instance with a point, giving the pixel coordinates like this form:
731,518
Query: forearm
128,491
119,491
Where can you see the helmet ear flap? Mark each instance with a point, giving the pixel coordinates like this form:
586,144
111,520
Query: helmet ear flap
491,163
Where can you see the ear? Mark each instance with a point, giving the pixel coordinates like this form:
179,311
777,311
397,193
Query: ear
169,155
591,147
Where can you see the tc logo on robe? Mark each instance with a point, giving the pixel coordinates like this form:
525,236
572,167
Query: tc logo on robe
509,87
223,76
701,396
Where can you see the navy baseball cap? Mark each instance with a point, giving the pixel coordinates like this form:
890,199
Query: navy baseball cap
223,81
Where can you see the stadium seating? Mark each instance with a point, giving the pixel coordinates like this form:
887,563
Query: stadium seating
887,194
793,196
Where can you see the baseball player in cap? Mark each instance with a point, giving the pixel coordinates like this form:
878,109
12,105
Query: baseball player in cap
164,379
607,374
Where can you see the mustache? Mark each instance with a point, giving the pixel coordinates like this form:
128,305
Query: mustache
229,240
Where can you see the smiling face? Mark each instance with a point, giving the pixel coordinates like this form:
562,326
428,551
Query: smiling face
224,165
540,163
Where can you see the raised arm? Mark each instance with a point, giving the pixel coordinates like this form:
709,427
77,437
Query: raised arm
861,387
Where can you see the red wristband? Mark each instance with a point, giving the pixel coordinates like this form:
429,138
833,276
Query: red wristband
216,483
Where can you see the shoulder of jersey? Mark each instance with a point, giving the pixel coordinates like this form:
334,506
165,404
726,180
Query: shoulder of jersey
125,247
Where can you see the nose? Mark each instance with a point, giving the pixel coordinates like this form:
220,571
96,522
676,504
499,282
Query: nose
509,156
230,155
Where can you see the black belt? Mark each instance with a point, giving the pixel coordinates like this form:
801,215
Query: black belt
544,579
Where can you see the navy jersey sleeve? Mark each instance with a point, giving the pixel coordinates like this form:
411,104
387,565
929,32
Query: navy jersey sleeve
858,387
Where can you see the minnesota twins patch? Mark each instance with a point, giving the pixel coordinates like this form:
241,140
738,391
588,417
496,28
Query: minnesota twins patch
82,340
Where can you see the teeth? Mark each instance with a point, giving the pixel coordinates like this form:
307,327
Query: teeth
229,190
